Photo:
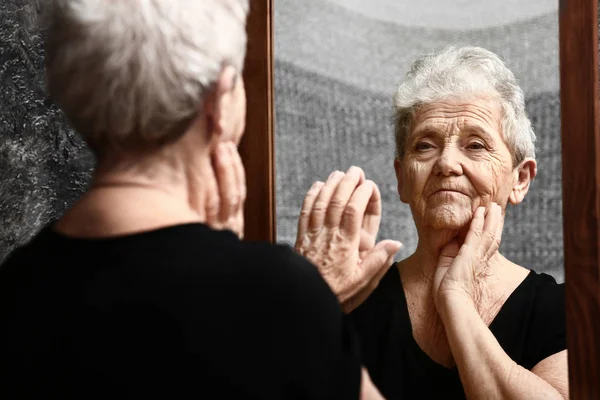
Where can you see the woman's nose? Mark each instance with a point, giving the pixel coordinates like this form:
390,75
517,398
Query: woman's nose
449,162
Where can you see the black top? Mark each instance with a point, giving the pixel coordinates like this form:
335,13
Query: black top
183,312
530,327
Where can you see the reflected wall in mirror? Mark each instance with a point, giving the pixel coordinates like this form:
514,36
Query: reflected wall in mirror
337,66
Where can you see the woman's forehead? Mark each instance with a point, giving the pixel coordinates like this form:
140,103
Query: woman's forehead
473,114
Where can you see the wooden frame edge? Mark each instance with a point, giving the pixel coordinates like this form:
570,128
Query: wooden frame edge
257,147
581,191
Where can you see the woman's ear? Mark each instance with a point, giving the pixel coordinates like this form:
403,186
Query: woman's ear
525,173
398,169
219,106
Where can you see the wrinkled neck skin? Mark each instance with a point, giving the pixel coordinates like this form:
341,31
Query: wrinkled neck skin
417,273
419,269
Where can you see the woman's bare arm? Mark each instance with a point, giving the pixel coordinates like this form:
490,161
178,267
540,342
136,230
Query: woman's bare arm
486,371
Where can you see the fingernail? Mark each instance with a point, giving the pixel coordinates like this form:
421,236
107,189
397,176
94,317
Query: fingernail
333,175
354,171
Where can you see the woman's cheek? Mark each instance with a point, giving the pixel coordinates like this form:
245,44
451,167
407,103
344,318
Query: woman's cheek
488,178
416,175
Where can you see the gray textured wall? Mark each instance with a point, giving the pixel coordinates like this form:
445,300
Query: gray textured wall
44,166
337,63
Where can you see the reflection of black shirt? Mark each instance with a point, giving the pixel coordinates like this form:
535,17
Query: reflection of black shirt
183,312
529,327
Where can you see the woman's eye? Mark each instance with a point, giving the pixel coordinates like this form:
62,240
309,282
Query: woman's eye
421,146
475,146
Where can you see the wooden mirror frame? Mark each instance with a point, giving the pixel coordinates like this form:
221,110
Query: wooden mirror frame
578,28
257,148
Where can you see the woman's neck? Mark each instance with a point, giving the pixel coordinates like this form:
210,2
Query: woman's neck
418,270
144,194
184,184
423,262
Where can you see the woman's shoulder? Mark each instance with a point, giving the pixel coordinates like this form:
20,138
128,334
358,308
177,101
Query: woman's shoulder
531,325
548,306
531,290
546,292
190,250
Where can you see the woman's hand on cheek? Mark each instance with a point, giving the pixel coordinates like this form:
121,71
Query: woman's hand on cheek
337,230
460,271
225,204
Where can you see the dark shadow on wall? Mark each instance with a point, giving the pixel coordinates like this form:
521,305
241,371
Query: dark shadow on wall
44,165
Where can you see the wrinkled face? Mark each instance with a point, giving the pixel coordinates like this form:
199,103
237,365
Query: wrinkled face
455,161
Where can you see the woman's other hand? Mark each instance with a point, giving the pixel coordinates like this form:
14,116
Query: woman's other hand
337,230
225,206
461,272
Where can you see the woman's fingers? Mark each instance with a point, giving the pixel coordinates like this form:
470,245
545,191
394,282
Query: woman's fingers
373,268
240,174
228,187
492,231
226,190
485,231
476,229
212,202
307,206
498,228
377,261
364,293
340,198
240,180
371,220
321,204
354,213
240,225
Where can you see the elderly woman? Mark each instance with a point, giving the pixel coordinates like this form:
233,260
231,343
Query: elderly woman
456,319
132,292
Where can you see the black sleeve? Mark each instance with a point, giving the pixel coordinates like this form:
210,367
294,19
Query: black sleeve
548,322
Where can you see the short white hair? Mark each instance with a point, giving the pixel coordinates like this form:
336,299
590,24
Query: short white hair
453,72
131,74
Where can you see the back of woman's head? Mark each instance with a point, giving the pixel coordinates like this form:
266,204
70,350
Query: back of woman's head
133,74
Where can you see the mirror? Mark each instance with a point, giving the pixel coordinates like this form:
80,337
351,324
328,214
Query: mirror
337,66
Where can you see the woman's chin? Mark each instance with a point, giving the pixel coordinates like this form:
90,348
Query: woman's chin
448,217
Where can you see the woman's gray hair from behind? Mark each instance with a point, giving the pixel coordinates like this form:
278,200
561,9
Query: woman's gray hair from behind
454,72
133,74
